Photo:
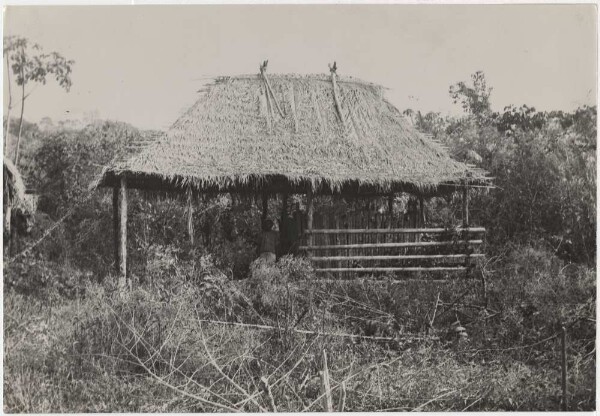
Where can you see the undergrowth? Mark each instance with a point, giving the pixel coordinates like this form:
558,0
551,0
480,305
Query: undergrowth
180,341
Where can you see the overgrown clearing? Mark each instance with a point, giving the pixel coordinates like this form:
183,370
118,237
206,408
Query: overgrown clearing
158,349
73,342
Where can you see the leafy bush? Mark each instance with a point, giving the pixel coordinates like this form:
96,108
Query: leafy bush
33,275
537,293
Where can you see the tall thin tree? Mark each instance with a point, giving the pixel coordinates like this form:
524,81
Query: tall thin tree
30,65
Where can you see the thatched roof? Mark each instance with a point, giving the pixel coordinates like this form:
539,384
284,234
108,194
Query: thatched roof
241,137
13,183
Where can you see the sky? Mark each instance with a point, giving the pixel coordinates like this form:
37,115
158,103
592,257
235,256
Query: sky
144,64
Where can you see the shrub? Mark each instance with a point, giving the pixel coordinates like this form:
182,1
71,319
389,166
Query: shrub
537,293
32,274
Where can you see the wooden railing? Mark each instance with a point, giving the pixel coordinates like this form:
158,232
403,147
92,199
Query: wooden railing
393,250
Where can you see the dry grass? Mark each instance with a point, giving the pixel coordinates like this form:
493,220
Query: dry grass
152,350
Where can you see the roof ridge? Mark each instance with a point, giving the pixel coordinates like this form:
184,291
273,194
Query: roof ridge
312,76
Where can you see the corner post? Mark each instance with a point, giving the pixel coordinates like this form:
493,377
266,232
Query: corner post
123,233
115,207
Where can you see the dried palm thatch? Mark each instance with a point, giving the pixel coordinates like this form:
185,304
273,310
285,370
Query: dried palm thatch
15,191
289,133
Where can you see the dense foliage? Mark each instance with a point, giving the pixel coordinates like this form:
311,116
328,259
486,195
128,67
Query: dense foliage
544,165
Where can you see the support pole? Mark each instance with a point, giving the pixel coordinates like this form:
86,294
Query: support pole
265,208
115,207
283,224
421,211
390,210
465,205
190,215
123,233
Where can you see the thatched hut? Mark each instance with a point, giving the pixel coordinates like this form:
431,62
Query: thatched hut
291,134
18,205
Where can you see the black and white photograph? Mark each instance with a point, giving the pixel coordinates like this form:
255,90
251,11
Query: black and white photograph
326,207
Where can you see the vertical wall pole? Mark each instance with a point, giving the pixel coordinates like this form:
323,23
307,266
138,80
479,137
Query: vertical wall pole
391,210
265,208
465,205
115,206
421,211
309,216
190,214
283,224
123,232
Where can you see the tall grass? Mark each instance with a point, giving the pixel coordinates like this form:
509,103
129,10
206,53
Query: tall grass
161,348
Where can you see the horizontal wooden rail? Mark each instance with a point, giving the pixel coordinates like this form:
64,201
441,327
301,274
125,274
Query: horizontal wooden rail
386,245
396,231
392,269
399,257
395,281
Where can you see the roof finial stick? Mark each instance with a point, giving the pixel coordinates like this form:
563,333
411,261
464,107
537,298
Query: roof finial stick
338,106
263,66
263,72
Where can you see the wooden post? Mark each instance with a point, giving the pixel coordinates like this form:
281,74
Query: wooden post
190,214
123,232
309,216
465,205
283,225
115,205
391,210
265,208
563,358
421,211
